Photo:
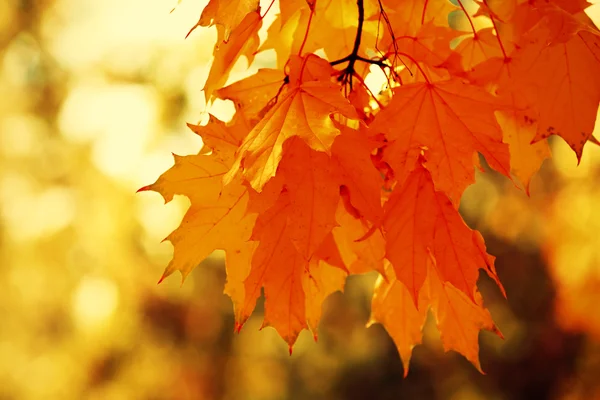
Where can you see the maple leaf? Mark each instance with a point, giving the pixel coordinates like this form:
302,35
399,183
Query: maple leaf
237,268
284,295
334,28
420,223
304,112
518,128
394,308
243,41
501,10
254,94
285,275
459,318
428,45
562,79
227,13
571,6
327,274
217,217
449,121
407,16
351,155
359,255
313,194
478,48
220,138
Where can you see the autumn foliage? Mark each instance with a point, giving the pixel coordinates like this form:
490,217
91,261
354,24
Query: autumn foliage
318,175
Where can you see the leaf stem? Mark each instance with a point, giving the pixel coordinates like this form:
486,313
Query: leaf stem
416,63
310,17
468,17
497,31
268,8
425,12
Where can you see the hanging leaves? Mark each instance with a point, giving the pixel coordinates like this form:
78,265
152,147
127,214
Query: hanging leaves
318,175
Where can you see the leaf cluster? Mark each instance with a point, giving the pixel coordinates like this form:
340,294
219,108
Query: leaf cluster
318,175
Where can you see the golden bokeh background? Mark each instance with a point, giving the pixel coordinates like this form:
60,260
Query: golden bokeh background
94,95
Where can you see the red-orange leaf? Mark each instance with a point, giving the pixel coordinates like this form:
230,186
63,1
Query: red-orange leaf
294,287
449,121
351,154
359,255
394,308
420,222
322,281
562,79
518,127
313,194
278,267
476,49
459,318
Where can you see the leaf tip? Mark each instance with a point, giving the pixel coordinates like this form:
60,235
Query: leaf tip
192,30
527,191
144,189
183,276
237,327
497,332
371,321
162,278
405,369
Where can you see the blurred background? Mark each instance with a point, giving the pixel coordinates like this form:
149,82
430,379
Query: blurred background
94,95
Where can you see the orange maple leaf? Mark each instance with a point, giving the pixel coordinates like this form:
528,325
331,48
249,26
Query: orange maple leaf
559,70
459,318
477,48
407,16
217,217
243,41
286,275
278,267
305,112
254,94
421,222
313,194
227,13
449,121
359,255
518,128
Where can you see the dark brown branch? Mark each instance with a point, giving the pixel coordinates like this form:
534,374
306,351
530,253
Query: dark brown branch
349,71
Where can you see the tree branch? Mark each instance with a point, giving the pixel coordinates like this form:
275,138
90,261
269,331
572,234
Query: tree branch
346,76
